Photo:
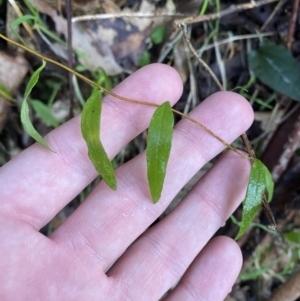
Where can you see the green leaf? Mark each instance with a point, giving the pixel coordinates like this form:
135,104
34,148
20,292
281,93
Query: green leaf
25,119
28,127
90,129
80,68
268,181
158,34
259,181
44,112
145,59
293,236
22,19
159,147
275,66
33,80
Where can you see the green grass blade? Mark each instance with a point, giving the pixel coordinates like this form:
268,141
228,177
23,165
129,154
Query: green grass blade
17,22
25,119
260,180
44,112
90,129
158,148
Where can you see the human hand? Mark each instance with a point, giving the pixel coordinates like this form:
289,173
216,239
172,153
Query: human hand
74,262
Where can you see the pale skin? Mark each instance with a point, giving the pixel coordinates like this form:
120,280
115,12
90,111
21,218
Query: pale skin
111,227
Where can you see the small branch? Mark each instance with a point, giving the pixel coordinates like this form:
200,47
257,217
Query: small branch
125,15
292,24
235,38
231,9
70,55
200,61
247,143
276,9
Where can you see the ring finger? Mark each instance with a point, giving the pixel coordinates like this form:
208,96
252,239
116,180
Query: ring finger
157,260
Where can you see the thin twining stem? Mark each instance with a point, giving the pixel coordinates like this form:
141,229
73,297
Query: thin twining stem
122,97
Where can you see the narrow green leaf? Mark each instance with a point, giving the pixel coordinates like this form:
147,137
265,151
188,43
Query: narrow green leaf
22,19
25,119
17,22
275,66
28,127
90,129
259,181
293,236
33,80
158,148
268,181
44,112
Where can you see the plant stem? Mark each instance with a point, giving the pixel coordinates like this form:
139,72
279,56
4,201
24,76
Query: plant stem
122,97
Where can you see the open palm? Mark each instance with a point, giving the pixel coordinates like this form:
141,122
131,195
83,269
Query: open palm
104,250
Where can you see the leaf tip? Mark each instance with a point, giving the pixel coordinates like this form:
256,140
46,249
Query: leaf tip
239,235
155,199
114,186
110,182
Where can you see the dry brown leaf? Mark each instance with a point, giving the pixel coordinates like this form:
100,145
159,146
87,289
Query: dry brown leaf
82,7
12,72
107,43
95,55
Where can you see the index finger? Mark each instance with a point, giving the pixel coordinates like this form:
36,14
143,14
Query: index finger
38,183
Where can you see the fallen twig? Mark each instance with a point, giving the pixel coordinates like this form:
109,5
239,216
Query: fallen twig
292,24
276,9
126,15
200,61
288,291
231,9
